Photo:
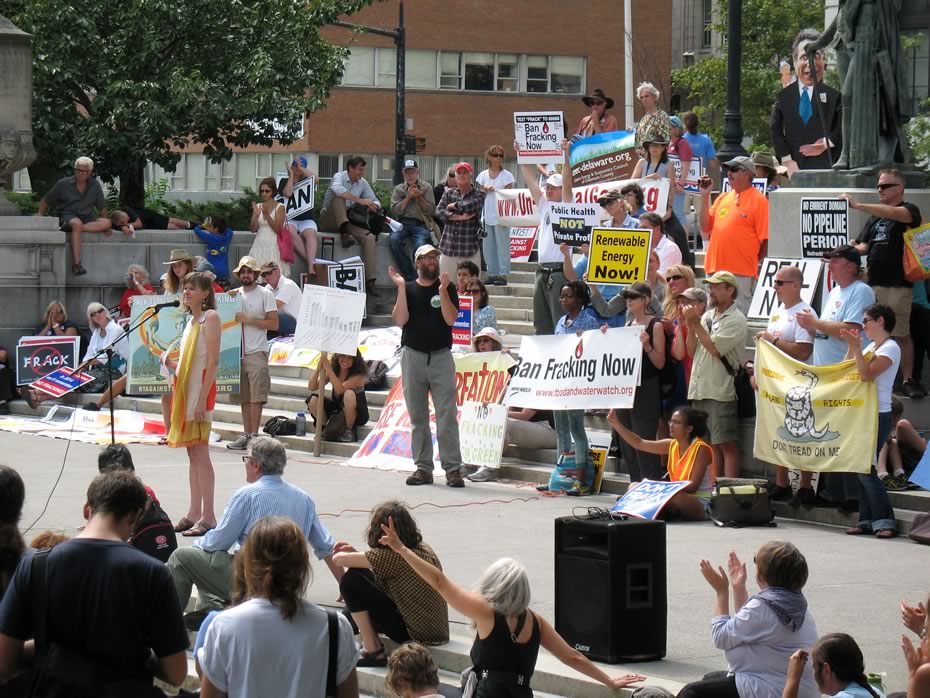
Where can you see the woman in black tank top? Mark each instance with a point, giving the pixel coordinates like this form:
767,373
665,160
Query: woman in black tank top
508,633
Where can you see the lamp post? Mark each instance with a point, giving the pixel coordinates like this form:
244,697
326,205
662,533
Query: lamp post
398,35
733,117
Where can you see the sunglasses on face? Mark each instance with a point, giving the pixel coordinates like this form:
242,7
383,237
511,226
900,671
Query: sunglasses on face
264,191
96,312
597,102
673,277
883,187
781,282
867,320
497,155
266,274
472,290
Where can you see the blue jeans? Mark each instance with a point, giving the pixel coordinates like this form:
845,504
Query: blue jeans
678,206
569,427
497,249
875,510
419,233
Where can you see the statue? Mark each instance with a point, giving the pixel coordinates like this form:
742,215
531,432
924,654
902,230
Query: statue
867,38
16,149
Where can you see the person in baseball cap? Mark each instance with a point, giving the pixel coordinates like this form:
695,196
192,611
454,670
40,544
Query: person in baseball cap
424,250
741,162
698,295
411,164
847,252
722,277
464,166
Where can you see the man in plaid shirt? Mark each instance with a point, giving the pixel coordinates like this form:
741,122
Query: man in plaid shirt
460,212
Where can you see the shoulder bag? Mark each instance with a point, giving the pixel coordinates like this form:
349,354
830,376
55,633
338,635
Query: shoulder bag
745,395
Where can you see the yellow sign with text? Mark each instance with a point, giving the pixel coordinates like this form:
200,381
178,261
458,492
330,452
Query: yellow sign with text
618,255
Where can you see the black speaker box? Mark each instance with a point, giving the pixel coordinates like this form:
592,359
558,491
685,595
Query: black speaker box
610,588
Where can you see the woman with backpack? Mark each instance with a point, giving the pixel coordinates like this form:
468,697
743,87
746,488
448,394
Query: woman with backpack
347,375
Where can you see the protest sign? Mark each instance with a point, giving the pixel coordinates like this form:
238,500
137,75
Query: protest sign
764,301
515,207
646,499
329,319
61,382
817,418
302,198
36,357
479,378
598,370
603,157
163,333
760,183
618,255
521,243
695,172
481,433
824,226
598,456
572,223
921,474
282,352
539,136
463,327
348,277
917,247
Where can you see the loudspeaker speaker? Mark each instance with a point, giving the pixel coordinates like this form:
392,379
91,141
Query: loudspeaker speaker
610,588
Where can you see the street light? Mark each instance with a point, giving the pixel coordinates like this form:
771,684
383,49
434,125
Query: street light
733,117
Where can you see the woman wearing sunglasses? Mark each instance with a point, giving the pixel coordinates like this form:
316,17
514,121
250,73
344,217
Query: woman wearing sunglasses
267,221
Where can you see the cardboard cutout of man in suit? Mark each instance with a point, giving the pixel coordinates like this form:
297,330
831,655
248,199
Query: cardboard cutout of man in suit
798,132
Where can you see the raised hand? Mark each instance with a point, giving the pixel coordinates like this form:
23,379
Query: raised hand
716,578
390,537
396,277
914,617
796,664
736,570
444,279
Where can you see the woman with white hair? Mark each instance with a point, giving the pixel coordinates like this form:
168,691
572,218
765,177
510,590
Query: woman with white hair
655,125
508,634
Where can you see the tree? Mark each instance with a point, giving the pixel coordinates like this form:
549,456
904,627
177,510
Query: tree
125,81
769,28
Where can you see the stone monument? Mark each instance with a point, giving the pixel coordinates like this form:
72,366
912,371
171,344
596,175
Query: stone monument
16,149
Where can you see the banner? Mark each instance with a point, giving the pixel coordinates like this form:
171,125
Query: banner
646,499
36,357
539,136
824,226
301,199
163,333
479,378
463,327
818,418
521,243
515,207
618,255
330,319
481,433
73,424
598,370
695,172
603,157
572,223
764,301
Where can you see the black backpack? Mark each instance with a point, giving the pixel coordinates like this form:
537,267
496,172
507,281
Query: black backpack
280,426
377,375
154,534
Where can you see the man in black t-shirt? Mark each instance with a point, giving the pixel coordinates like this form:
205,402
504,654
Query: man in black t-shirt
882,239
426,309
105,600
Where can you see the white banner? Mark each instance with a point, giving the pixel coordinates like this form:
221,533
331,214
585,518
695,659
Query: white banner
330,319
515,207
764,300
481,433
599,370
539,136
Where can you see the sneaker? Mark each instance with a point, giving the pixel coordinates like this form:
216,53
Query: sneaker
579,490
420,477
91,407
454,479
348,436
484,474
890,483
78,269
806,497
499,281
913,390
781,494
240,444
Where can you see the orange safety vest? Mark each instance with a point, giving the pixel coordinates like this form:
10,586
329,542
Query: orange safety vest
679,467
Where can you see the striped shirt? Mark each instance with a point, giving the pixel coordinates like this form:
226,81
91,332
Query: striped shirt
270,495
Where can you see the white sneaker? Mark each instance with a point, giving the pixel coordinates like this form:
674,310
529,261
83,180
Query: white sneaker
483,474
240,444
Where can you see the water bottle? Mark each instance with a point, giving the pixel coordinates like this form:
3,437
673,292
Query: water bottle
876,680
301,424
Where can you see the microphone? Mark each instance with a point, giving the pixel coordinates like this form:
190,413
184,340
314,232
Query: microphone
171,304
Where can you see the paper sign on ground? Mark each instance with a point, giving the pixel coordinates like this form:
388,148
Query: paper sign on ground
618,255
824,226
598,370
646,499
329,319
302,199
695,171
463,327
764,300
36,357
481,433
572,223
61,382
603,157
521,243
539,136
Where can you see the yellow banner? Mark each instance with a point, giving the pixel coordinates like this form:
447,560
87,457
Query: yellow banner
818,418
618,255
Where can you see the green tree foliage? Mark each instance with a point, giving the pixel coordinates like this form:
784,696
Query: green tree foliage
769,28
125,81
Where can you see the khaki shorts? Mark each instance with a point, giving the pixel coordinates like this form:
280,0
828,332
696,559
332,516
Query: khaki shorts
898,298
722,422
254,381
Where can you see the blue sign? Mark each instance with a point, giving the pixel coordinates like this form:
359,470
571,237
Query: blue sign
921,474
646,499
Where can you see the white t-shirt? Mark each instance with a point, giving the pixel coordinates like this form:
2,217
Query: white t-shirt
251,651
504,177
289,293
547,249
256,303
783,324
884,382
842,305
669,253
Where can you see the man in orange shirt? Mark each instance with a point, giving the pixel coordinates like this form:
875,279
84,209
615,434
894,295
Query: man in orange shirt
737,226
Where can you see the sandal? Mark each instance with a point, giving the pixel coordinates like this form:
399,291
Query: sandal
858,531
185,524
886,533
78,269
372,659
198,529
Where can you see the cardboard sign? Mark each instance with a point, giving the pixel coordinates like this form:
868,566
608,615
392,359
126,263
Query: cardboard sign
348,277
463,327
695,171
603,157
330,319
764,300
37,357
521,243
481,433
646,499
539,136
824,226
618,255
572,223
301,199
61,382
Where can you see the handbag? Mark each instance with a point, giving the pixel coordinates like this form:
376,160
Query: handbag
745,395
280,426
738,502
363,217
286,244
335,426
920,528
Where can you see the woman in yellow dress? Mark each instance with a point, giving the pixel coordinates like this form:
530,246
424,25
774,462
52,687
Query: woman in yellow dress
194,398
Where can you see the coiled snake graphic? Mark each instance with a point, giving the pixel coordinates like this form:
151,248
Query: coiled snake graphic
799,409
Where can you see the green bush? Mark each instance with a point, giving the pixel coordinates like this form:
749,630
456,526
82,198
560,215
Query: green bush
28,202
237,212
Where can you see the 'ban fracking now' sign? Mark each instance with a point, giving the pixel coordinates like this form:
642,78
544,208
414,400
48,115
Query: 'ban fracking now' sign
539,136
618,255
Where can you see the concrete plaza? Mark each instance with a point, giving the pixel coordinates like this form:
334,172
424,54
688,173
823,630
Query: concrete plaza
855,586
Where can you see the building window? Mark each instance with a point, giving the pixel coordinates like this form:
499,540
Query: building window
360,67
450,71
567,75
178,178
329,165
508,72
537,73
918,73
220,176
708,19
387,67
420,69
479,71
